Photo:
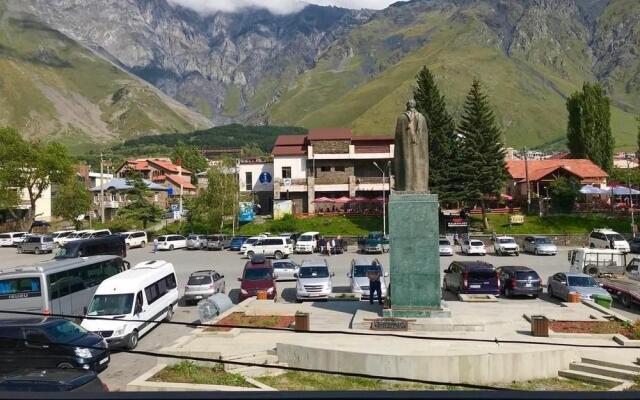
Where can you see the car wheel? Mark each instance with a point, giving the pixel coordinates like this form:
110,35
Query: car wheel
250,254
592,246
19,250
65,366
593,271
133,340
169,314
626,300
535,296
535,252
36,251
278,255
171,247
517,253
142,244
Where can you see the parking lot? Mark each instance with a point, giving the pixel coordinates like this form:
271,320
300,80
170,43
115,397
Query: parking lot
124,367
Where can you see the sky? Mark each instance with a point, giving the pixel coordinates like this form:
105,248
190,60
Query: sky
276,6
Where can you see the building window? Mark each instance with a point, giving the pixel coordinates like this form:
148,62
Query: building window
339,169
248,181
325,169
286,172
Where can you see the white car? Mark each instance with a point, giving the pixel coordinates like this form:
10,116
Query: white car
313,280
11,238
277,247
59,235
307,242
505,245
135,239
444,247
77,235
473,246
608,239
171,242
248,244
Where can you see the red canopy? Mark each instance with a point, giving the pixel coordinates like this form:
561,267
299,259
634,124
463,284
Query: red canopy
342,200
323,200
359,199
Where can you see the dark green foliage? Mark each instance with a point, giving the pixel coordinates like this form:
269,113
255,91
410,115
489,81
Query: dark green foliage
589,126
563,193
209,207
140,207
191,158
73,199
483,171
443,164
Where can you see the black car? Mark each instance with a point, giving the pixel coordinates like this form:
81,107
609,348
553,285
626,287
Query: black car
52,380
50,343
634,245
517,280
471,277
108,245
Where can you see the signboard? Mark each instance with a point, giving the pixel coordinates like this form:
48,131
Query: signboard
286,182
170,191
282,208
457,222
264,177
390,324
246,212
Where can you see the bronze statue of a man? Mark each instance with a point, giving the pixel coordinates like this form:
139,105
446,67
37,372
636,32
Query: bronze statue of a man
411,157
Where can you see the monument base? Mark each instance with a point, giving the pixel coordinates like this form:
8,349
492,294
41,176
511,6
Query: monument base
415,257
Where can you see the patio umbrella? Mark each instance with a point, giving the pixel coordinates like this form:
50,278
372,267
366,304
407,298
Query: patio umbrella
624,191
342,200
359,199
323,200
590,189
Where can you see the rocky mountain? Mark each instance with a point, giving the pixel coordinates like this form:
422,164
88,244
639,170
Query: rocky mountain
228,66
52,86
327,66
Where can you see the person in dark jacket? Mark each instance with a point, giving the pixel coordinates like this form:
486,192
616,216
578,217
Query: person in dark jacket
375,284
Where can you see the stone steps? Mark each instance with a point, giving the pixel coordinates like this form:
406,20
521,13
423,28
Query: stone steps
590,378
604,371
601,372
627,367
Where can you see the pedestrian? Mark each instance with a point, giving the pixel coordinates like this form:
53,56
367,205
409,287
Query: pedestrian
455,239
328,249
374,284
333,247
321,244
155,245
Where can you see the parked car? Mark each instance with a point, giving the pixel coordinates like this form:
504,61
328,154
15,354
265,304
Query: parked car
236,243
608,239
171,242
539,245
307,242
203,284
285,270
197,242
52,380
634,245
135,239
471,277
108,245
313,280
375,242
96,234
130,302
340,246
473,246
517,280
563,283
59,235
258,275
50,343
277,247
218,242
359,281
290,235
444,247
11,238
249,243
505,245
77,235
36,244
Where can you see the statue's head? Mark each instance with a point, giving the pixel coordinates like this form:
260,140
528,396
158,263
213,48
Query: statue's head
411,104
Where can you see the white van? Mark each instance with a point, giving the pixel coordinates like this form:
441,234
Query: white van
146,292
170,242
59,235
135,239
77,235
597,261
608,239
11,238
307,242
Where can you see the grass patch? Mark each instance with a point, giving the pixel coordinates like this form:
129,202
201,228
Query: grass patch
557,384
554,224
190,372
333,225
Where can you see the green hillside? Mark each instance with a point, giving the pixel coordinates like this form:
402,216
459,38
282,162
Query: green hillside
530,58
50,86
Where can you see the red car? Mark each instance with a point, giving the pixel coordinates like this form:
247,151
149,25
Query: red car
258,275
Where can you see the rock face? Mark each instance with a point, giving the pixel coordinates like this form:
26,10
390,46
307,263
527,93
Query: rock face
228,66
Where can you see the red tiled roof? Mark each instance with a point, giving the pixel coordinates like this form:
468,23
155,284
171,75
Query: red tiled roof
177,179
168,166
540,168
291,140
329,134
289,150
384,138
372,148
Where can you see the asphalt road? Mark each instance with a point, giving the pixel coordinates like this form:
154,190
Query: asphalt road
124,367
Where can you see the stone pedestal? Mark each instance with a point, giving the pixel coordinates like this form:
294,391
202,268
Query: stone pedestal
415,259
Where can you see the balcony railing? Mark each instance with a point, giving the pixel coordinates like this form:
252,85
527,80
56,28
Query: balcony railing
332,180
371,179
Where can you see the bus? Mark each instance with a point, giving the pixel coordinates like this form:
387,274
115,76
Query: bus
57,286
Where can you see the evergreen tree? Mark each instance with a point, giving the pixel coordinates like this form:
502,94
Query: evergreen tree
140,207
442,157
589,126
484,171
191,158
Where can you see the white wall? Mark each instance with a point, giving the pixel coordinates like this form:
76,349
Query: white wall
256,170
298,166
43,204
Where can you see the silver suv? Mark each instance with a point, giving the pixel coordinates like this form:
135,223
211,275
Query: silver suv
359,280
203,284
218,242
36,244
313,280
197,242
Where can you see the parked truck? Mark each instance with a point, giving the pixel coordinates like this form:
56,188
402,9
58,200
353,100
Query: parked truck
374,242
597,262
625,286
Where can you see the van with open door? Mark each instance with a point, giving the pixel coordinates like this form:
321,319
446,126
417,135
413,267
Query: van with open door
147,293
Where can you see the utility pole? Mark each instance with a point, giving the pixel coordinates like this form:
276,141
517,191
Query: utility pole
179,162
101,188
526,177
633,224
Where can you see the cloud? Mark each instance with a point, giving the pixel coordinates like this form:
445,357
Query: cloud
275,6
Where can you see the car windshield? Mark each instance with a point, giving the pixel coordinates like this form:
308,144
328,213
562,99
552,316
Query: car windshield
251,241
86,235
111,304
256,274
196,280
615,236
476,243
192,237
314,272
46,239
5,236
581,281
444,242
235,239
526,276
360,271
305,238
283,265
506,240
543,241
64,331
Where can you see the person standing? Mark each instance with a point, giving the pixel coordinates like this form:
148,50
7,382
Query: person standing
155,245
333,247
374,284
322,243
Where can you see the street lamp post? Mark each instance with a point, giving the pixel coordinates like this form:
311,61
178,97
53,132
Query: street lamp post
633,224
384,204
